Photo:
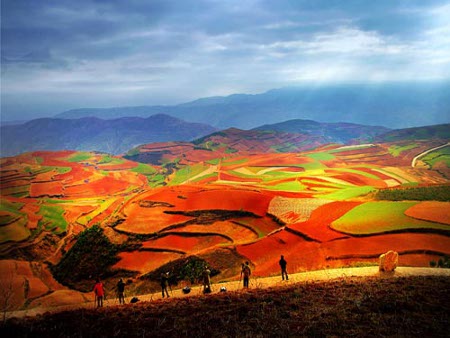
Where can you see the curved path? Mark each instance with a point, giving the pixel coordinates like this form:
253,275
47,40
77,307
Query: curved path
257,282
414,161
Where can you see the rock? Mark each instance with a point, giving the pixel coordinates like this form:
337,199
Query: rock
388,261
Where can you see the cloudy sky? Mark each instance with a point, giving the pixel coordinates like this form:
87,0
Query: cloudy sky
63,54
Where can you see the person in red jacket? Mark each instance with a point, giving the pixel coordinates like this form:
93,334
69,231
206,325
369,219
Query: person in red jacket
99,292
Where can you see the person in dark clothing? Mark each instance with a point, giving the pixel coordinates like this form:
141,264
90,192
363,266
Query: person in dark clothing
121,291
246,272
206,280
164,284
283,264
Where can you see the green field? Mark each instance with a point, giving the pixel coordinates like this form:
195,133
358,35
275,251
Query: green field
52,218
396,150
79,157
440,155
348,193
376,217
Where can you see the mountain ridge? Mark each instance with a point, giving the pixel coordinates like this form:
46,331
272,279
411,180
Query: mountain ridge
393,105
90,133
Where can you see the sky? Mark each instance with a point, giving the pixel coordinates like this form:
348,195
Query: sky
63,54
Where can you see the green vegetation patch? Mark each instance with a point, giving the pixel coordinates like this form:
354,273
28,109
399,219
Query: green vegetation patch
91,256
110,160
104,205
15,232
321,156
376,217
187,172
348,193
437,156
433,193
287,186
52,218
144,169
79,157
396,150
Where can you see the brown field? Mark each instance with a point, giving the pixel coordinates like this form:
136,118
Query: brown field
144,261
430,211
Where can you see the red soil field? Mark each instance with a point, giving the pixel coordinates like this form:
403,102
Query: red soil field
190,245
376,245
356,179
318,225
300,254
32,209
51,188
431,211
144,261
236,232
104,186
73,212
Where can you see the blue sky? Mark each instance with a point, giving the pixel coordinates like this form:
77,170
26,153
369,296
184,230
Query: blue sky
59,55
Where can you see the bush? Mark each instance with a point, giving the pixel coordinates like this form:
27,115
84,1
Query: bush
91,257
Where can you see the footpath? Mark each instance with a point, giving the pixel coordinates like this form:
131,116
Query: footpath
256,282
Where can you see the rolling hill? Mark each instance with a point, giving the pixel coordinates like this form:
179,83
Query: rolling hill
94,134
231,196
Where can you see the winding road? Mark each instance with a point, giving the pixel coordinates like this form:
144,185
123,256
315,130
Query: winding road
414,161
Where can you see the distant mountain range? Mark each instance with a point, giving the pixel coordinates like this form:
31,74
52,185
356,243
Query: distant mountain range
93,134
395,105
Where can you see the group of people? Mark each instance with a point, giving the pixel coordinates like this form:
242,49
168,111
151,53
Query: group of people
164,282
99,292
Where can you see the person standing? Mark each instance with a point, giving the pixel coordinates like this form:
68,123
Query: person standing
206,280
246,272
121,291
99,292
164,284
283,265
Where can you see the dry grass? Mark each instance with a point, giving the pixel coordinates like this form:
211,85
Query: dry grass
358,306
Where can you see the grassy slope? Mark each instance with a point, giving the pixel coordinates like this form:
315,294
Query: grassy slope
370,306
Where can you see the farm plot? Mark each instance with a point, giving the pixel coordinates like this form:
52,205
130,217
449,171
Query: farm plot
438,212
294,210
374,246
231,231
144,261
184,242
317,226
378,217
300,254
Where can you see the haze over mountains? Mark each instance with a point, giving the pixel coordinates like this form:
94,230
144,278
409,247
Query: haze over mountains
94,134
394,105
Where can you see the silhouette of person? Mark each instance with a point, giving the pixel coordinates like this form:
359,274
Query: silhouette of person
164,284
121,291
283,264
206,280
99,292
246,272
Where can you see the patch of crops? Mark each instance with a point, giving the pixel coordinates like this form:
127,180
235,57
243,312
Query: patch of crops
52,218
432,193
377,217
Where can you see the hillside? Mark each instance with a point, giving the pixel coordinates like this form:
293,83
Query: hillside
226,143
331,132
407,306
394,105
93,134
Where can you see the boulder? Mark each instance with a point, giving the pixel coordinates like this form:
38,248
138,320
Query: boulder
388,261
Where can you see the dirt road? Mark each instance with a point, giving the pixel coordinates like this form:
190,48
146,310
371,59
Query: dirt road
262,282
